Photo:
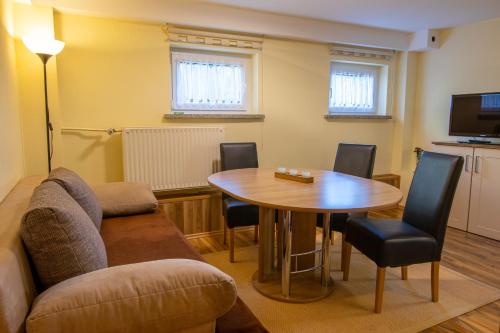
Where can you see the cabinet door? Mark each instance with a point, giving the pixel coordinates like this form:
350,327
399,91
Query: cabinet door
484,218
459,213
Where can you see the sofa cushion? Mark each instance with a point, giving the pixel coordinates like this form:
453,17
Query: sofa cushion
125,198
146,237
60,237
156,296
80,191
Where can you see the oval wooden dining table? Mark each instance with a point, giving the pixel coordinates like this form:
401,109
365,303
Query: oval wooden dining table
298,204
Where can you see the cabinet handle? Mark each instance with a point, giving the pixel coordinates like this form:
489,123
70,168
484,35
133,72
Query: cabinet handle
476,164
467,163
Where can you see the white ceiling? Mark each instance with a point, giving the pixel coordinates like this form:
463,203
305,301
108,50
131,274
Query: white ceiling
404,15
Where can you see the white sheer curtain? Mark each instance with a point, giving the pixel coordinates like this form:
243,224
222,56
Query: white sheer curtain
209,82
352,91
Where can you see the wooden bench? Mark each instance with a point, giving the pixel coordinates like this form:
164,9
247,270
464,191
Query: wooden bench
389,178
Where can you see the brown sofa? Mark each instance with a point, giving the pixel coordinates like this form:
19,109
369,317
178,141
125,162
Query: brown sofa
147,237
128,240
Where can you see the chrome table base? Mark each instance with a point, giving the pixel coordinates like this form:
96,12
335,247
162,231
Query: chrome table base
299,286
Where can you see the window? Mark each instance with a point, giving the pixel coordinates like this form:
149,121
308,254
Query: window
209,81
357,88
352,88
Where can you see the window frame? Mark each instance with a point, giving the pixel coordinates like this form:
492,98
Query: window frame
359,68
219,56
385,83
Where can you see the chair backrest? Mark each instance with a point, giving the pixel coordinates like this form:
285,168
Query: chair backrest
238,155
431,193
355,159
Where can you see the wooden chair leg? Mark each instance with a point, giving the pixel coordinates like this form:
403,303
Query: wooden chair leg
256,233
347,260
435,281
231,245
342,254
404,272
379,291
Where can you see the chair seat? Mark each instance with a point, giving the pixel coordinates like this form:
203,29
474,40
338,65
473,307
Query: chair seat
239,213
391,243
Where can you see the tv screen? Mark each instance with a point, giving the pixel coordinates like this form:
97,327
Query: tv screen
475,115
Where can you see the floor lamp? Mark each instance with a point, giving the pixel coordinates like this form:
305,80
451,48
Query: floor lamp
45,49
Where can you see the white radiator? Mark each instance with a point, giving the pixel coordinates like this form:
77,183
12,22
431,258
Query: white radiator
171,157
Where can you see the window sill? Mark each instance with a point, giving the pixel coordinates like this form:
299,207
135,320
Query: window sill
356,116
255,117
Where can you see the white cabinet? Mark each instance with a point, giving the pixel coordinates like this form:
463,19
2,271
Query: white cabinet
459,213
476,206
484,213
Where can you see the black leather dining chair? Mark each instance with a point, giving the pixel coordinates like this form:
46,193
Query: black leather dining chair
355,160
419,236
236,213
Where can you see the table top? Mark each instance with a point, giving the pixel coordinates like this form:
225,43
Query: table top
332,192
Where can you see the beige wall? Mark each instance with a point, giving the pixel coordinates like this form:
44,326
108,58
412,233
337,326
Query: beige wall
296,83
468,61
403,161
211,15
11,152
117,74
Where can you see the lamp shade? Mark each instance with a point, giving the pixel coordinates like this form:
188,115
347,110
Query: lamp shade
43,45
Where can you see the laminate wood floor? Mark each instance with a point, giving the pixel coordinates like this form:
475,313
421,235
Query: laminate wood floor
475,256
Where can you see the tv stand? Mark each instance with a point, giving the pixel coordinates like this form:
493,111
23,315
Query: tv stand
491,145
475,205
480,142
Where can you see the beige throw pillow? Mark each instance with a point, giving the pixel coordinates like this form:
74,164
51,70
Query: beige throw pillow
156,296
60,237
125,198
80,191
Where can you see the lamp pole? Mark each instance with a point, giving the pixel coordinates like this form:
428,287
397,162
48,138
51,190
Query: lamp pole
48,125
45,48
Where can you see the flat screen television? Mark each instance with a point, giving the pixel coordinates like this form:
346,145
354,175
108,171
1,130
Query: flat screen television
475,115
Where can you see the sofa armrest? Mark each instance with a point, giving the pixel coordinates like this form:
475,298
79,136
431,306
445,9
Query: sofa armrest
156,296
125,198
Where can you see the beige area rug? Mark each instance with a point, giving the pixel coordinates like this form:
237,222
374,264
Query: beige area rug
407,305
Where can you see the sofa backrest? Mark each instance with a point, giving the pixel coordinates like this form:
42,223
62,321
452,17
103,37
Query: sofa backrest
17,286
